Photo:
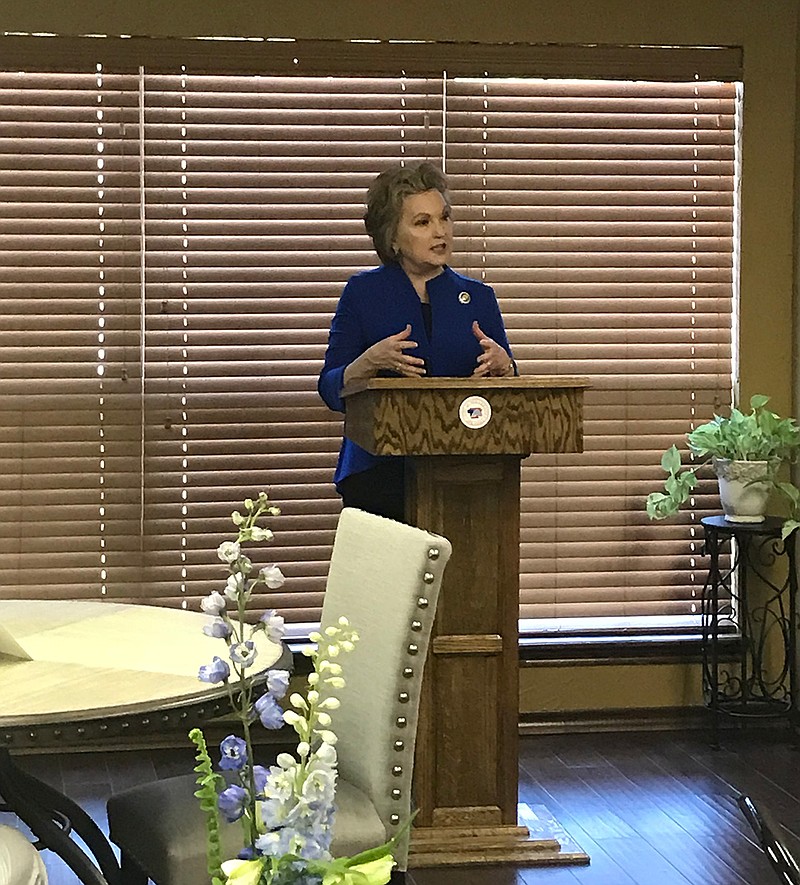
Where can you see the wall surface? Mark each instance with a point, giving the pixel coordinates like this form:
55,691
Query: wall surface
768,32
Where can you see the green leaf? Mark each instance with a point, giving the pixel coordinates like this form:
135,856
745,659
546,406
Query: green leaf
758,401
788,527
660,506
671,460
790,491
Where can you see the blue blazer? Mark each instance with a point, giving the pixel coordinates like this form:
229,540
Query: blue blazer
380,302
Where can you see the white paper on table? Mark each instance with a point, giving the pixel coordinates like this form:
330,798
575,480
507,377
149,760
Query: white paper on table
10,647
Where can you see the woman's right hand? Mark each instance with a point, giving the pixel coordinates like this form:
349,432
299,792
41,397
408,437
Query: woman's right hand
389,354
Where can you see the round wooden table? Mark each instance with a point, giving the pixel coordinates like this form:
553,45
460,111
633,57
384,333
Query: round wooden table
78,672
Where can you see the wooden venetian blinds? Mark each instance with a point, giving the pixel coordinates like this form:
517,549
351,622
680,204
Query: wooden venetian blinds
174,241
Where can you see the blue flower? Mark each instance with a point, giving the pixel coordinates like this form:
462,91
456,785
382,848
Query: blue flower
274,624
260,775
231,802
233,753
244,653
269,711
218,629
216,671
278,682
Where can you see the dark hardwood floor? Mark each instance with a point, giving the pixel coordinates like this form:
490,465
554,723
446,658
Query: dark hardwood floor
650,808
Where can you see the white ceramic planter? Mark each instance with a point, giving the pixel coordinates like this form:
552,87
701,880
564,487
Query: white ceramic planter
743,498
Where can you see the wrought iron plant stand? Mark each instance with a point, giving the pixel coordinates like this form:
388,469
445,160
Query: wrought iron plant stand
749,601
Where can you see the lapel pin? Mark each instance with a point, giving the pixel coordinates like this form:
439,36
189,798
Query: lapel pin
464,297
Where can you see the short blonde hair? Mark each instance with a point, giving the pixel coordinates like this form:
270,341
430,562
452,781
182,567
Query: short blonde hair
385,201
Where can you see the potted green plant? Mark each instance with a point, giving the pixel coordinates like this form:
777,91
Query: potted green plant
745,451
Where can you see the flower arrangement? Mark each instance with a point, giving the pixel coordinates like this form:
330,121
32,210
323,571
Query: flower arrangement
286,810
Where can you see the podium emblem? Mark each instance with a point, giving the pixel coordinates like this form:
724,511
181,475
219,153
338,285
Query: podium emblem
475,412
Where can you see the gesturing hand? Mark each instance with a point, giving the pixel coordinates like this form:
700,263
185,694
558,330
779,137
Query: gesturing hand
390,353
494,360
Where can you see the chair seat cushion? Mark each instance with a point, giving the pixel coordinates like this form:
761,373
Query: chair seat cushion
161,827
357,825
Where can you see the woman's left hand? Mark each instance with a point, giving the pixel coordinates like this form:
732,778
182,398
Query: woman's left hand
494,361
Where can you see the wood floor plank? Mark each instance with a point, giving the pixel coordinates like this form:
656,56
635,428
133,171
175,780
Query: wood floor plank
724,835
643,863
602,870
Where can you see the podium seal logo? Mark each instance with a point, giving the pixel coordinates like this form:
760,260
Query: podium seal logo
475,412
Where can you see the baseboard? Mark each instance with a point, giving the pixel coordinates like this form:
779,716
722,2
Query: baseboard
628,719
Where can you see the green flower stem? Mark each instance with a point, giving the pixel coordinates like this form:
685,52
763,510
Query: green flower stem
207,793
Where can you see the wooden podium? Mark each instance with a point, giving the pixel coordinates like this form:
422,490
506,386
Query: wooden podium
465,438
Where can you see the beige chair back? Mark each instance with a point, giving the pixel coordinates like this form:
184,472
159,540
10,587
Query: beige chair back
385,578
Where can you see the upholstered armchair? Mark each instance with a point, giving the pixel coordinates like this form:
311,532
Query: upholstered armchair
385,578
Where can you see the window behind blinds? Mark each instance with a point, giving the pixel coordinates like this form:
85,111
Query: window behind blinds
174,247
70,397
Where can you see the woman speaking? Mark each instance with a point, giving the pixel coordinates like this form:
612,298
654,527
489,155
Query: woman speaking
413,316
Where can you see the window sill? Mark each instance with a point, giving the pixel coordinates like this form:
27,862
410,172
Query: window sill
641,648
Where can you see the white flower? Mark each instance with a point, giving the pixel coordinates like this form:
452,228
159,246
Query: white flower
228,551
293,719
319,785
326,754
272,576
234,586
297,700
259,534
213,604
